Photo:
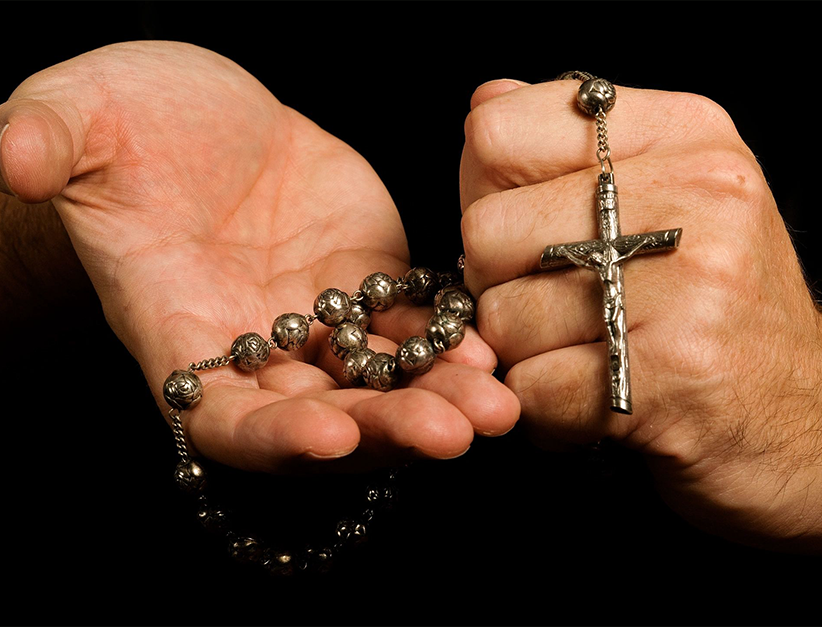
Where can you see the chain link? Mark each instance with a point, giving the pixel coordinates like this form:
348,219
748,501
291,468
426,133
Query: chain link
179,435
603,148
209,364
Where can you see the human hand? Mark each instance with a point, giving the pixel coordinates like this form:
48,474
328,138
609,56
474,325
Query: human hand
725,340
202,208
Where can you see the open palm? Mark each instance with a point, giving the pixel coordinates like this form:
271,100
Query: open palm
202,208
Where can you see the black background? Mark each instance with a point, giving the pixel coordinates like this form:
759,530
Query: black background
94,532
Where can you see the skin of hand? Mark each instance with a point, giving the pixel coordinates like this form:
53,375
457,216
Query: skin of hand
725,339
202,208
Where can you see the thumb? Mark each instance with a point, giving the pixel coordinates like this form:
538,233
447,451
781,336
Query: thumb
494,88
37,149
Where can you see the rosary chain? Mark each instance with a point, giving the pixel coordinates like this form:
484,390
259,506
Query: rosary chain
179,435
603,148
209,364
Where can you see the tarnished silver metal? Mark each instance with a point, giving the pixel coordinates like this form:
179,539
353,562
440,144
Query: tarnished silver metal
447,279
596,94
382,373
379,291
190,477
182,389
354,365
416,355
347,337
250,351
445,331
605,256
332,306
211,363
290,331
359,314
454,299
421,284
245,549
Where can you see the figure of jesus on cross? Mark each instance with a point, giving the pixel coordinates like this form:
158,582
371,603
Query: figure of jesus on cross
605,256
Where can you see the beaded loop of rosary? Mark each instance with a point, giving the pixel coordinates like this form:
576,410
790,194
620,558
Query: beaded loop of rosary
349,317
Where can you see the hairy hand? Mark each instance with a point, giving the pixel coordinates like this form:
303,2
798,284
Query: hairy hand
202,208
725,341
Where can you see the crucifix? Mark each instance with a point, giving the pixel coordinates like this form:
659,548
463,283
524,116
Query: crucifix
606,255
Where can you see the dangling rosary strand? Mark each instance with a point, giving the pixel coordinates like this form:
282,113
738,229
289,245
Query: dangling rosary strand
349,317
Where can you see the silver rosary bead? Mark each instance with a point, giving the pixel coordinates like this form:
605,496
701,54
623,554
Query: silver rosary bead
332,306
359,315
421,285
354,365
379,291
416,355
457,301
381,372
290,331
595,94
182,389
445,331
190,477
250,351
347,337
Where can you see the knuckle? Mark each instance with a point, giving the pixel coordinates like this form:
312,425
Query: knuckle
728,171
488,134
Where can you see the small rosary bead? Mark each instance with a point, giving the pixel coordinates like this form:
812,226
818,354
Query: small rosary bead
445,331
455,300
214,520
595,94
245,549
416,355
347,337
447,279
354,365
190,477
317,560
250,351
421,285
381,372
290,331
351,532
332,306
379,291
182,389
359,315
278,563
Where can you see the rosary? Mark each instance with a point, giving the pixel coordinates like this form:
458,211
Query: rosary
349,317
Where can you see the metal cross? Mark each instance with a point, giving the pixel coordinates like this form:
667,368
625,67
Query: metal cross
605,256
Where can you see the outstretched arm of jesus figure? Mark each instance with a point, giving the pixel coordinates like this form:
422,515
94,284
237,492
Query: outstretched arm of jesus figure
725,338
201,208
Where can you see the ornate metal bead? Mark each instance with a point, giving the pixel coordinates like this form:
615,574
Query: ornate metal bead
447,279
445,331
359,315
381,372
290,331
347,337
457,301
332,306
594,94
354,365
278,562
213,519
416,355
182,389
421,285
351,532
245,549
190,477
250,351
317,559
379,291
